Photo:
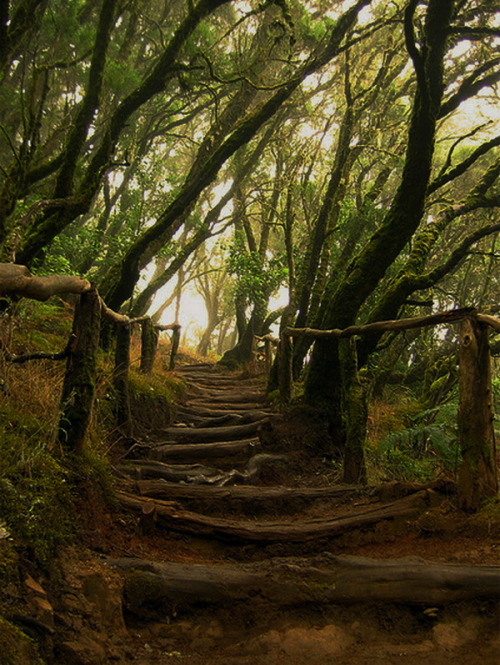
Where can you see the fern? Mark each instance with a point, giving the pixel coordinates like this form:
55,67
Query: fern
431,440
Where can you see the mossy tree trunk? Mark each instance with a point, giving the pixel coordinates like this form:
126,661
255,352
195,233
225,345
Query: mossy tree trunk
323,384
79,381
478,474
120,378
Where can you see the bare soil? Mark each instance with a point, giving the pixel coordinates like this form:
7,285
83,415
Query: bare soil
98,627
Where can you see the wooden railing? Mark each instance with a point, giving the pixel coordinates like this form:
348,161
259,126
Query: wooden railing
82,348
478,471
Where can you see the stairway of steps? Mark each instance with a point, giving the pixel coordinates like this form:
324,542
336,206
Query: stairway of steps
279,587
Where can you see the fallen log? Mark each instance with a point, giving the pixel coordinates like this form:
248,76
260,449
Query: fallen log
211,434
223,381
162,489
231,397
225,406
222,418
232,451
268,532
159,472
157,590
189,411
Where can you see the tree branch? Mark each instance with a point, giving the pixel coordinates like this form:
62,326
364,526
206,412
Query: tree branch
459,169
470,87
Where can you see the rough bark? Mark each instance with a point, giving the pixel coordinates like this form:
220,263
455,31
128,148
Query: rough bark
322,386
269,532
211,434
17,280
120,378
225,452
78,392
477,474
165,589
149,343
355,410
162,489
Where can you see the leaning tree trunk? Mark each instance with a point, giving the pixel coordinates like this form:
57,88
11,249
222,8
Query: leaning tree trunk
79,382
477,475
322,388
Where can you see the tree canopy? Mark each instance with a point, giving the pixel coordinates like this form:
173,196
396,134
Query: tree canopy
343,152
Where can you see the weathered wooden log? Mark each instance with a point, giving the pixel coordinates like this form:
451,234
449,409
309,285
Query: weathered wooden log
378,326
223,380
211,434
225,406
229,451
355,414
171,474
147,520
268,532
189,411
233,397
220,418
219,421
17,280
160,590
198,368
162,489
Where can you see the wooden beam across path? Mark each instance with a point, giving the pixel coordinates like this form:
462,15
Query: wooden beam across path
154,587
172,517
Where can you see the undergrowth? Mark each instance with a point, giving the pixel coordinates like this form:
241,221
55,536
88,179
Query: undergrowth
42,487
407,442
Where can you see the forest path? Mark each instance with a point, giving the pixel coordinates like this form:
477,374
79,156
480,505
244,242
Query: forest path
245,558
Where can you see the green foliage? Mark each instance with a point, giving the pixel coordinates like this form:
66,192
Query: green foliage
120,77
427,444
495,384
256,279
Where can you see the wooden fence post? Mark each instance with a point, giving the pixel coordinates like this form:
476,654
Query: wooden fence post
355,414
285,372
176,338
477,478
120,378
149,344
79,381
268,350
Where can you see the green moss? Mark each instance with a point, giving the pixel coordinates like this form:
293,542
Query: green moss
17,648
157,385
9,561
38,510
